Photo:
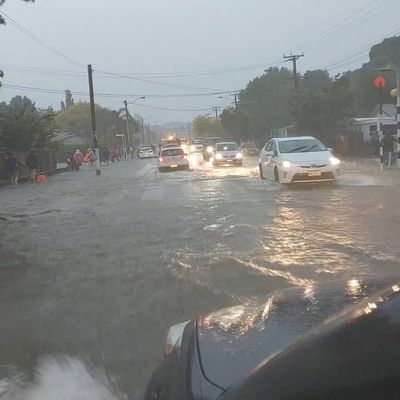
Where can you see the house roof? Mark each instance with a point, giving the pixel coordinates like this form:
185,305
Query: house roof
389,110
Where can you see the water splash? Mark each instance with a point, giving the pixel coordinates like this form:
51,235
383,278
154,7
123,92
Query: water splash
60,378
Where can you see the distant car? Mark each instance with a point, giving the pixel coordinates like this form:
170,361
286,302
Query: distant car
298,160
196,146
227,153
146,152
249,149
172,158
325,341
209,145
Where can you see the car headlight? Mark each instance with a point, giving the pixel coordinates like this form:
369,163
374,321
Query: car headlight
334,161
174,338
239,155
286,164
218,156
210,149
192,148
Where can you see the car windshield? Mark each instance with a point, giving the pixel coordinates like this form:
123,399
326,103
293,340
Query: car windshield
146,148
300,146
226,147
249,145
172,152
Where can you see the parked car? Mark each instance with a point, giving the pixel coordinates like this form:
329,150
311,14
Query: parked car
298,160
249,149
227,153
328,341
146,152
172,158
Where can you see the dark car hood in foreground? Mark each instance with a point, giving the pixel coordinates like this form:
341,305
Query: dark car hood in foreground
234,341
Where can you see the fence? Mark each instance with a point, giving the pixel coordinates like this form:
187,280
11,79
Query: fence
47,163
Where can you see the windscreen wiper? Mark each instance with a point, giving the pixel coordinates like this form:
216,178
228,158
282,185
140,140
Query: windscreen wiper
299,148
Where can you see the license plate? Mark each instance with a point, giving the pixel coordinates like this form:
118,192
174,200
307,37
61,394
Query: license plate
315,173
228,160
173,166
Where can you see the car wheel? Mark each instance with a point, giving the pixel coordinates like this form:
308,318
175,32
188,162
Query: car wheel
261,172
276,175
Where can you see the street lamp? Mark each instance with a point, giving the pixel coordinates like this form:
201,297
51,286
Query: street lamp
397,70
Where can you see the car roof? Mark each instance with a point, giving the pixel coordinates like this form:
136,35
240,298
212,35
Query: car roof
226,143
145,146
287,139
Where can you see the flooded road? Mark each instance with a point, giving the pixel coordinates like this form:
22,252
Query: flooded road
98,268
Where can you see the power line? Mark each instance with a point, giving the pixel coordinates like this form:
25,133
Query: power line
36,39
115,95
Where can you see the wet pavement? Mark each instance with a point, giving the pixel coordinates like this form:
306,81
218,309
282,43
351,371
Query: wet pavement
98,268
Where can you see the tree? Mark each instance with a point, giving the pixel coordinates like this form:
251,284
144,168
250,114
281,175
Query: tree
23,126
204,126
69,101
267,101
236,123
2,21
76,119
324,114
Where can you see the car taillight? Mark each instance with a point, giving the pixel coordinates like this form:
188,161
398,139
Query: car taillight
161,159
183,157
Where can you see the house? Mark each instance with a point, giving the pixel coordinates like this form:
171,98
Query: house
68,138
369,126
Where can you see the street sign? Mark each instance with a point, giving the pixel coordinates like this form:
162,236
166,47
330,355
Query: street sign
380,82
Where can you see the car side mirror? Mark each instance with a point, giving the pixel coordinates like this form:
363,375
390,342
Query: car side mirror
270,153
330,149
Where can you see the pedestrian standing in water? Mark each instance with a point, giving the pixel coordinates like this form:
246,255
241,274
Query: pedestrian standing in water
92,157
78,159
32,162
11,168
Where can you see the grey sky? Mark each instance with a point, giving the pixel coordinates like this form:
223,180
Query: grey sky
151,36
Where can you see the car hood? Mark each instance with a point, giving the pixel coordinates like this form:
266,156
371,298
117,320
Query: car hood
227,153
234,341
316,157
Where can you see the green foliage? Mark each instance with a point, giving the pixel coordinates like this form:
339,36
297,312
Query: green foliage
76,119
23,126
236,123
323,114
204,126
267,101
69,101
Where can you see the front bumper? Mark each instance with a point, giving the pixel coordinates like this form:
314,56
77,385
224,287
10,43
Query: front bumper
227,162
296,174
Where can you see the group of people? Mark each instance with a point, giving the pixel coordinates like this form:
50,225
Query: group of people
75,160
12,167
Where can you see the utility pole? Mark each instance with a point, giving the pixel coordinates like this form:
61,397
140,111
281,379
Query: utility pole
236,101
215,109
398,116
128,133
293,58
93,120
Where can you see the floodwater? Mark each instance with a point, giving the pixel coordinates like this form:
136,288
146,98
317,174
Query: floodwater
93,270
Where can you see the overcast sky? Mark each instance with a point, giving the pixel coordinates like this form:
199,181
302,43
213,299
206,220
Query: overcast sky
140,38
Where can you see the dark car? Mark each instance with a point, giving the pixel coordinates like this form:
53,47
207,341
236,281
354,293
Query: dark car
249,149
209,146
336,341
